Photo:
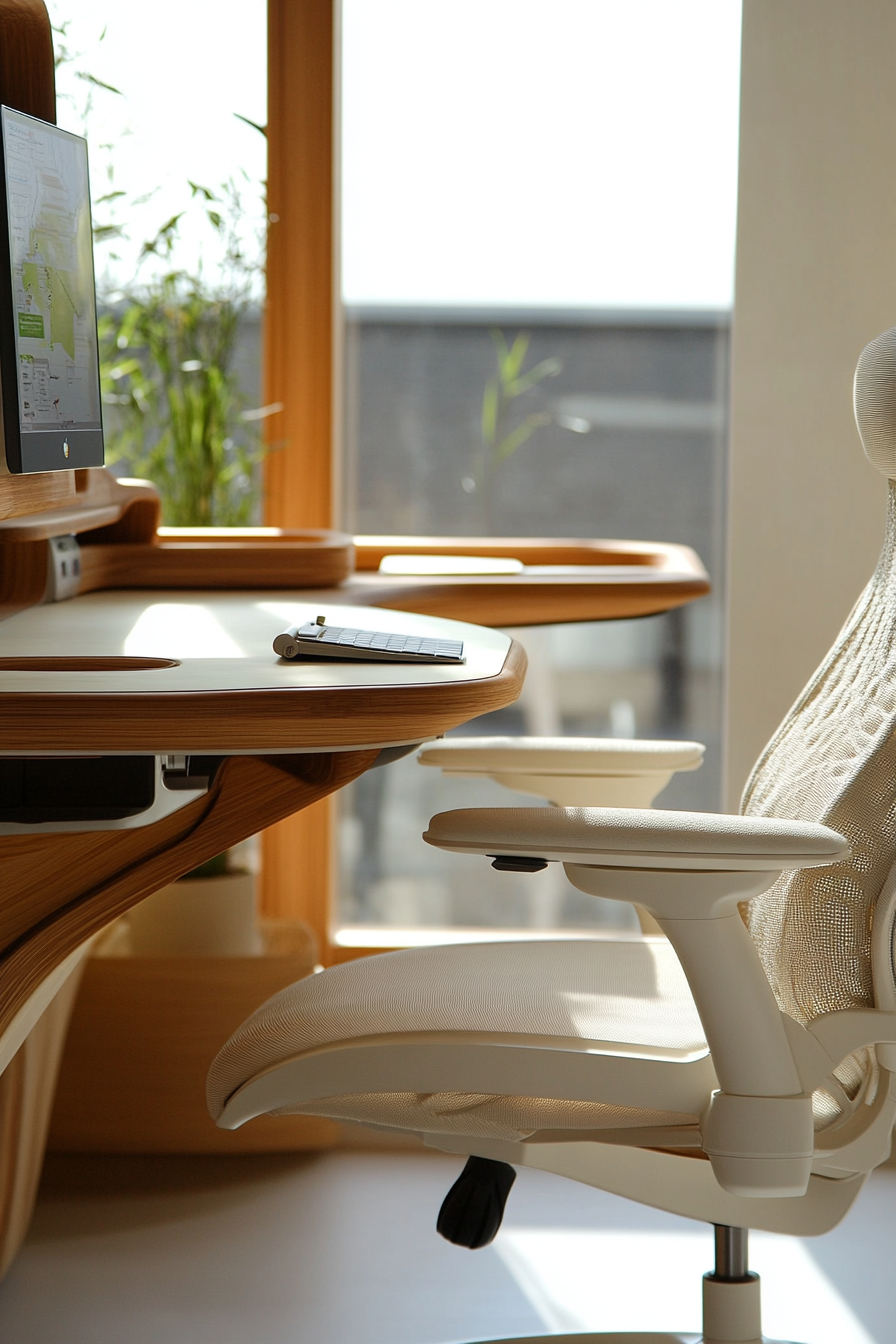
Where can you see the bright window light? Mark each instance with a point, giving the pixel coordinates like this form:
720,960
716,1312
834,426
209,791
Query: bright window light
180,630
184,70
512,153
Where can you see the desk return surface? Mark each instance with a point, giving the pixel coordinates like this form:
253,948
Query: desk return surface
195,672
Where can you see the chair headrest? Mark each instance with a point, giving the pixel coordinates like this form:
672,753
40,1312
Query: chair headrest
874,399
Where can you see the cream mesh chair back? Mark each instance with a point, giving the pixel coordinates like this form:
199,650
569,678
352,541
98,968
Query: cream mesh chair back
825,935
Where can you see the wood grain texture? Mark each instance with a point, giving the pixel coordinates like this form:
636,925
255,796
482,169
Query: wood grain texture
143,1034
23,575
27,69
28,496
290,890
640,578
298,320
59,890
33,508
27,1087
660,556
68,663
315,560
27,82
520,599
218,722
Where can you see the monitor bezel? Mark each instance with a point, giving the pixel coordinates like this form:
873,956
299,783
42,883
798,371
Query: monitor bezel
36,451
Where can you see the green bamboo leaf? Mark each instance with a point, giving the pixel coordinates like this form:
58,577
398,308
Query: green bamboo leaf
515,359
262,130
97,83
103,231
508,446
548,368
490,412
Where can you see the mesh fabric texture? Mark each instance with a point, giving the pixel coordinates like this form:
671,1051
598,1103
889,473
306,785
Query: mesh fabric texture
632,992
832,761
874,400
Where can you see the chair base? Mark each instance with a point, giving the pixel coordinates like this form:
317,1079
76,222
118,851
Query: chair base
616,1337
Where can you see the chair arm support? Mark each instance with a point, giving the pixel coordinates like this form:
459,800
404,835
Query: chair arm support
690,870
570,771
841,1033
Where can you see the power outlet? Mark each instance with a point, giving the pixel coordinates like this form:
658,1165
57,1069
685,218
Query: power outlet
63,568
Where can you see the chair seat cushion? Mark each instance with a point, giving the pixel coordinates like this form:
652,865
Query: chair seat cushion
623,993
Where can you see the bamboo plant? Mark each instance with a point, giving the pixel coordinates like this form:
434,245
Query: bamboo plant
500,438
177,415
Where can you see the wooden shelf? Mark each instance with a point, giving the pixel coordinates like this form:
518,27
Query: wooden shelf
234,558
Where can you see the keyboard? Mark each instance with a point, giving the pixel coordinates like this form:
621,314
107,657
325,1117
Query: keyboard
318,640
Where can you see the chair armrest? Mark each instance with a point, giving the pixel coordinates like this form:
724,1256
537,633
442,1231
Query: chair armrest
560,755
690,870
639,838
570,771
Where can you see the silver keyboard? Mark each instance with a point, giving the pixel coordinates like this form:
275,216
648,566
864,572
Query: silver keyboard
318,640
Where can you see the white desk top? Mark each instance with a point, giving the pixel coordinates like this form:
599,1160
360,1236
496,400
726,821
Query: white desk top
221,645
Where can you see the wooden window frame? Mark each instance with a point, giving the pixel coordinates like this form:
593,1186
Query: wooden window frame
300,338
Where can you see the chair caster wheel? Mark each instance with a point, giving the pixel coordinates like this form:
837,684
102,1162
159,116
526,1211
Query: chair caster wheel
473,1208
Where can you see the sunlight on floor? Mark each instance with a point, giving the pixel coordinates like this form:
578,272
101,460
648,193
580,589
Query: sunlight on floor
584,1280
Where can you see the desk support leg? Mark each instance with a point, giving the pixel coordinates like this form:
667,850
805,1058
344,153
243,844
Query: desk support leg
62,890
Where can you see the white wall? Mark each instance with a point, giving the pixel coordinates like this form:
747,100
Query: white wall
815,281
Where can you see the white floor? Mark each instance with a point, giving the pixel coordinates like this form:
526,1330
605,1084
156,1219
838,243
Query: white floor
342,1249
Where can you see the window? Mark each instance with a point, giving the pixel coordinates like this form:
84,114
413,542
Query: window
537,269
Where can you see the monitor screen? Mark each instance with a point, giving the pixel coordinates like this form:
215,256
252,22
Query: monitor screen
49,357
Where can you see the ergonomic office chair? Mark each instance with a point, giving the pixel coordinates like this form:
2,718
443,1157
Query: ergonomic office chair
742,1072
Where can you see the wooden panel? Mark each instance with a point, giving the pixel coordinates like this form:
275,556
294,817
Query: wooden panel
520,599
90,499
298,322
23,575
59,890
301,890
639,578
27,1086
27,69
323,560
143,1034
28,495
661,556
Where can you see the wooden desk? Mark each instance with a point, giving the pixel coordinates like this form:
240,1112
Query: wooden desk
143,672
195,672
285,734
140,663
286,737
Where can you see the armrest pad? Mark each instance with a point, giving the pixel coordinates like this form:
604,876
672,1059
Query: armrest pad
638,838
560,755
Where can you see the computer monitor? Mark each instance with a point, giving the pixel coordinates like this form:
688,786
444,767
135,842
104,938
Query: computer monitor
49,356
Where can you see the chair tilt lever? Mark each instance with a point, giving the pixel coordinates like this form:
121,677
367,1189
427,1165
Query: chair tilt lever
473,1208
